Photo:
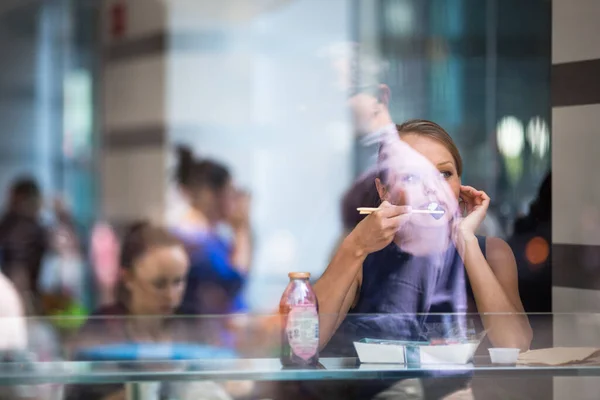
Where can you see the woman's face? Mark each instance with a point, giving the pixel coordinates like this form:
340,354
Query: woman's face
216,204
157,280
421,173
226,198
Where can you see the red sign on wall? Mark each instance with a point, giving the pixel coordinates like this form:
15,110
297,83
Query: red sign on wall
118,20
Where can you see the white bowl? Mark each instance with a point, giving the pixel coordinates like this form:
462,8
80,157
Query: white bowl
504,355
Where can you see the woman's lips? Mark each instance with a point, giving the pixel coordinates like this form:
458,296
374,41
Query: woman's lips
434,206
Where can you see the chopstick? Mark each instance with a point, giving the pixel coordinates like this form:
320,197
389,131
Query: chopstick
366,210
369,210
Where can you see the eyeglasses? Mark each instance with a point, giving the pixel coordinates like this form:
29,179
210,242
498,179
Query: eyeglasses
162,284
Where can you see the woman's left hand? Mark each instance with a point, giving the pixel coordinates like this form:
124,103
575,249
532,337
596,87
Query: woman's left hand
477,203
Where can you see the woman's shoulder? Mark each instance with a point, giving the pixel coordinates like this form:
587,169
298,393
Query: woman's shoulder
104,318
105,325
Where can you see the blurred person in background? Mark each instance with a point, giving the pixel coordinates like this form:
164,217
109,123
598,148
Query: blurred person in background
61,281
530,241
531,244
361,76
23,240
152,278
154,266
219,266
104,257
362,193
368,103
13,332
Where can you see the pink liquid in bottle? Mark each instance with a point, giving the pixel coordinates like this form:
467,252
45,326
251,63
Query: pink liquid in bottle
300,323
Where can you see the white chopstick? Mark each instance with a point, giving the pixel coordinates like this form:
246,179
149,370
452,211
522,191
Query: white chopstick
369,210
366,210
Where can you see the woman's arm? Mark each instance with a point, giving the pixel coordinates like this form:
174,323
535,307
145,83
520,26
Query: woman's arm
241,255
494,284
336,289
494,281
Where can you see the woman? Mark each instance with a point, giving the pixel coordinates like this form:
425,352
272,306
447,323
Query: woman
154,266
404,264
218,266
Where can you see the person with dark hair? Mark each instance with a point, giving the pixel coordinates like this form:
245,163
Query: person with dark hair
363,193
23,240
531,241
153,266
218,266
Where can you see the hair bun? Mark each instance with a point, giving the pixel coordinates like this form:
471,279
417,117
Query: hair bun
185,163
137,226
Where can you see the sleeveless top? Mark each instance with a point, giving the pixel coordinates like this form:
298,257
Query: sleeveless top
407,297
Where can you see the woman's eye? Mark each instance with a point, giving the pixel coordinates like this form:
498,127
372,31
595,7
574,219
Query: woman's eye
160,285
409,178
445,174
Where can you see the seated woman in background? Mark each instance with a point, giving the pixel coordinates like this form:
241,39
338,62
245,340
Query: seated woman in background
218,266
154,266
409,265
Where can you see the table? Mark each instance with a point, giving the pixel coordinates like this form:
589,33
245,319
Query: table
137,374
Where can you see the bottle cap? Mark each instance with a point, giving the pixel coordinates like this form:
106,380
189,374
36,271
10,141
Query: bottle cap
299,275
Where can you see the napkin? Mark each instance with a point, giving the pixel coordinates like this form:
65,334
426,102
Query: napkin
560,356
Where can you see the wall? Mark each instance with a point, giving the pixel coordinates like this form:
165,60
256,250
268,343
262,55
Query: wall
133,117
245,83
575,188
31,87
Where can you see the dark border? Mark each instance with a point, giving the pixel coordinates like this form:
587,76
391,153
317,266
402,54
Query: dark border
135,48
204,41
133,138
576,83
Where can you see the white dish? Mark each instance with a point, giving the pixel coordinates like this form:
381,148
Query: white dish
380,353
500,355
414,353
460,353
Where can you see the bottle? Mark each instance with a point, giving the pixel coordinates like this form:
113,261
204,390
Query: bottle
299,313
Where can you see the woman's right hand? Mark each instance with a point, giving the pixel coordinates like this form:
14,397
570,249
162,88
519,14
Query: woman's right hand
240,218
378,229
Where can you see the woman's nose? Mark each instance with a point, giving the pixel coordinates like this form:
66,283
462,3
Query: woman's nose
428,188
173,294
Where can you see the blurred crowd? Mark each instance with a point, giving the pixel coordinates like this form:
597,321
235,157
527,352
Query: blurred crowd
154,273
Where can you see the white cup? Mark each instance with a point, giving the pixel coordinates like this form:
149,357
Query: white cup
504,355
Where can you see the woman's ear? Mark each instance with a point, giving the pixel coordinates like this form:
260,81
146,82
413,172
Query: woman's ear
381,189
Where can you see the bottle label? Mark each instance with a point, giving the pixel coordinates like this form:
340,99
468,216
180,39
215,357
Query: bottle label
302,330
